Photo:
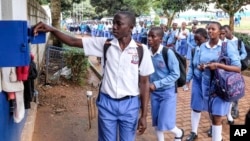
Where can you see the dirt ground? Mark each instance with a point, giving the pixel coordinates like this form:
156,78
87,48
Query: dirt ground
62,113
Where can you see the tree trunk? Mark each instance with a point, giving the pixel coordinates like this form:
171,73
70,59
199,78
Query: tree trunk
231,22
56,16
170,19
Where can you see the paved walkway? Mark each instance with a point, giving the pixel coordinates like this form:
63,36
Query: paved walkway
184,113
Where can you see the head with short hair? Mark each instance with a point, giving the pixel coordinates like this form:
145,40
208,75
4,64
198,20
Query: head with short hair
123,24
214,30
228,31
200,36
129,15
155,36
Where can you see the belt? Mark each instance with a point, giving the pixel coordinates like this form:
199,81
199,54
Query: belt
119,99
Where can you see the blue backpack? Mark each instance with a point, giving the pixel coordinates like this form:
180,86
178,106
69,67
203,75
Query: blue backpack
230,86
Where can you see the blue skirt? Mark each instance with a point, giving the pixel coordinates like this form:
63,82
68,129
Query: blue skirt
183,47
163,109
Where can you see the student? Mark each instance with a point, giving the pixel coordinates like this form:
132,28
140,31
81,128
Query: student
118,101
162,87
243,54
223,34
209,54
165,37
171,39
181,36
191,44
198,103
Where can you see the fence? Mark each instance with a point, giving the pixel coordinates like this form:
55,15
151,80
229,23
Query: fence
54,64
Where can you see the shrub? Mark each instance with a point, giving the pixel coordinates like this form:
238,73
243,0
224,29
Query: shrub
76,60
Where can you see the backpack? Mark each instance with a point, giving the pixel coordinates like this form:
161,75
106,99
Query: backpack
181,81
244,62
230,86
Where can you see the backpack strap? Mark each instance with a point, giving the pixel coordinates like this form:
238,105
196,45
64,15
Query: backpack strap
165,56
140,52
105,48
239,44
224,49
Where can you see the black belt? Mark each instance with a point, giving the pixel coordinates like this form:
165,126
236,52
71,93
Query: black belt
119,99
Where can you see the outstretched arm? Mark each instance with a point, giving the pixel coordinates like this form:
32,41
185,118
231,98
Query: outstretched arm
65,38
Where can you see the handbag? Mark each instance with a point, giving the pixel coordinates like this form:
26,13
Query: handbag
230,86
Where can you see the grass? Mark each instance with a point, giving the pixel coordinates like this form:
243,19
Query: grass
244,24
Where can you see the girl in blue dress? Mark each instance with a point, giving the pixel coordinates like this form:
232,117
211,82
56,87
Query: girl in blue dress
162,87
191,42
207,57
198,103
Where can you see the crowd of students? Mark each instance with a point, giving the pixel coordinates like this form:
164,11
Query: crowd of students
118,101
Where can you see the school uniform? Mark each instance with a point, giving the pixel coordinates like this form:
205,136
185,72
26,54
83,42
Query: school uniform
216,106
191,44
242,52
171,38
118,103
198,101
163,99
182,42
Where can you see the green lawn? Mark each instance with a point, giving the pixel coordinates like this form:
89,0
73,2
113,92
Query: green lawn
244,24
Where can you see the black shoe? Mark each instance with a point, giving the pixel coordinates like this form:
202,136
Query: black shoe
181,135
230,122
191,137
235,114
209,132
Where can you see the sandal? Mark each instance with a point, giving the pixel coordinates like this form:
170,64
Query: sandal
181,135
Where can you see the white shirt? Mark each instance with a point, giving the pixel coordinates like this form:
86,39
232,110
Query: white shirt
180,35
121,69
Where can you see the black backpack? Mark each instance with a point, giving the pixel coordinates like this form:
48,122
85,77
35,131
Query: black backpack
182,65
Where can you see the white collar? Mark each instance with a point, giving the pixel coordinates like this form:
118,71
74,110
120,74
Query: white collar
218,44
158,50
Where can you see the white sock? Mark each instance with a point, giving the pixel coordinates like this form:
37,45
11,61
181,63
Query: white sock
159,134
177,132
195,119
229,116
216,132
20,110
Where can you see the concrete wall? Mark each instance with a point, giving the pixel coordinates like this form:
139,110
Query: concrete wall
36,14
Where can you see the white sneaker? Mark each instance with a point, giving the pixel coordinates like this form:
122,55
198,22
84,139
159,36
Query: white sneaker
185,88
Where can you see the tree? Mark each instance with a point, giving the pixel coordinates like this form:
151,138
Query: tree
112,6
169,8
228,6
55,15
56,10
231,7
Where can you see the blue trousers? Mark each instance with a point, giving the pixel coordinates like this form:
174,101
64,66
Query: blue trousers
117,117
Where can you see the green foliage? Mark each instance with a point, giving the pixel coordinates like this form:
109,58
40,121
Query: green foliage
113,6
78,62
65,4
244,37
157,20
